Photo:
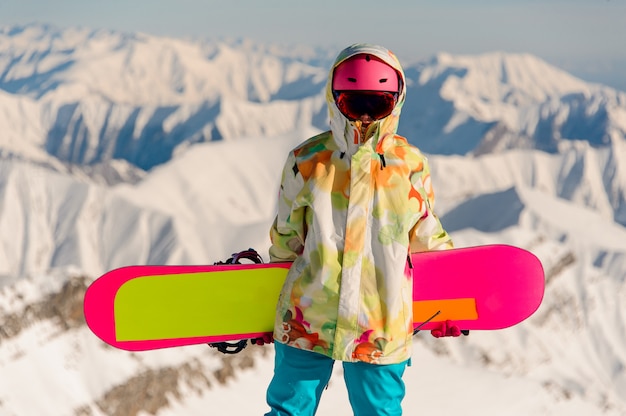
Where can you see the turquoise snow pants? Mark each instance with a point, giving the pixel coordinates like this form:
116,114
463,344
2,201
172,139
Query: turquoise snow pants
300,377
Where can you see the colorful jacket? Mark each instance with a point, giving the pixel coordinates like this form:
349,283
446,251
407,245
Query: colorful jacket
350,211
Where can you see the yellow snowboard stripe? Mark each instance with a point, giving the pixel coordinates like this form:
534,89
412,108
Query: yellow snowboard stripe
450,309
198,304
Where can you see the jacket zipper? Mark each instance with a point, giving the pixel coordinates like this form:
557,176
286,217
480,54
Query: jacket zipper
383,164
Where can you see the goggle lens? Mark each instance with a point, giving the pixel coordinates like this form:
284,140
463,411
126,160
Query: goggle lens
355,104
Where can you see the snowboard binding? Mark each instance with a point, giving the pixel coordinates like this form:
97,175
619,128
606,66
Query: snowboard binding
249,254
237,346
230,347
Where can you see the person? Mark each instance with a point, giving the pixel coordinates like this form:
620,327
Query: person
354,202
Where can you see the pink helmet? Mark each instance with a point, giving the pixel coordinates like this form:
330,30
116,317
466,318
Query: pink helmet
365,72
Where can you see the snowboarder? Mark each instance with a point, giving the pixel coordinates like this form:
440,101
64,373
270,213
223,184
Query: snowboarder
354,202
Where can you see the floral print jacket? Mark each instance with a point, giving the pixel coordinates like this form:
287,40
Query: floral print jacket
351,209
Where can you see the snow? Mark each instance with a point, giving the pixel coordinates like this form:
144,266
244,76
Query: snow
594,230
434,385
567,359
199,200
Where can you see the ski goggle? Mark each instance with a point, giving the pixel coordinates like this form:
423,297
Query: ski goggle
355,104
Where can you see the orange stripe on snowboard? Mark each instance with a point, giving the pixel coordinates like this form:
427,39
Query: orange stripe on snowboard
449,309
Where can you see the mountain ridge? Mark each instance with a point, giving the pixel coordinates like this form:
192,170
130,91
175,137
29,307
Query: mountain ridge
102,95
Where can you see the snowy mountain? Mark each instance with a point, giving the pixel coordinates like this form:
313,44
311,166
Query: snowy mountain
493,102
105,95
101,95
109,157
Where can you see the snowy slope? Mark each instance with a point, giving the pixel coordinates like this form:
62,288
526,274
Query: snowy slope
590,177
54,220
568,359
209,185
113,103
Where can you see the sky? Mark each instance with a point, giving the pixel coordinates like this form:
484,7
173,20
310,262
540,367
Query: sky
583,36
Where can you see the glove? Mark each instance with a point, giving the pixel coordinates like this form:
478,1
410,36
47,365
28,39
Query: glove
448,329
267,338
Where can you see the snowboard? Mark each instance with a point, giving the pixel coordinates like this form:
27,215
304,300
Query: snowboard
138,308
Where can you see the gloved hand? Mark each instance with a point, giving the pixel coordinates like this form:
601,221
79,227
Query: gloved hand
267,338
448,329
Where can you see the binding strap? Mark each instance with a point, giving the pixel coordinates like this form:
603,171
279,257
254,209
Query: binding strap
235,347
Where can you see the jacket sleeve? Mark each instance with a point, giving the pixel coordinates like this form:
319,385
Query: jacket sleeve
288,231
427,234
